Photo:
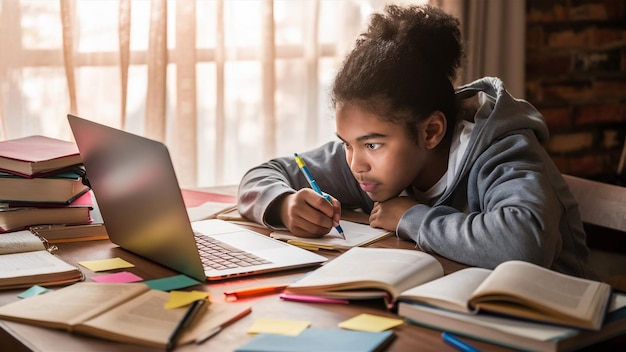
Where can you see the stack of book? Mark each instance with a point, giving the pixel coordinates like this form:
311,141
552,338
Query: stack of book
41,184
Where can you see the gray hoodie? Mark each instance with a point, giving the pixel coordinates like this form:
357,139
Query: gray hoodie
507,201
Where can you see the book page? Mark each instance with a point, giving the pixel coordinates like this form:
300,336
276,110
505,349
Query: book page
451,292
70,305
16,265
389,269
538,291
20,241
356,235
144,320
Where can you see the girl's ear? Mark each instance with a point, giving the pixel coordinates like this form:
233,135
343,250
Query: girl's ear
434,129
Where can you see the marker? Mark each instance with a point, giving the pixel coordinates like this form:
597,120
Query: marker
459,344
254,291
190,316
314,185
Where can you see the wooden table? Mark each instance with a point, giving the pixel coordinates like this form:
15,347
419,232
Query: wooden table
21,337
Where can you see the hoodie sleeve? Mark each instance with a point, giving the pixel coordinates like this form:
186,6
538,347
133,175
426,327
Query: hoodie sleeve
262,185
512,210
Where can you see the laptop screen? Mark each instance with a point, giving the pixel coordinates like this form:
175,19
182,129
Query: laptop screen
135,185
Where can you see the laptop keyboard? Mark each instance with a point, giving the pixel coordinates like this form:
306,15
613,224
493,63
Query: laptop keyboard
218,255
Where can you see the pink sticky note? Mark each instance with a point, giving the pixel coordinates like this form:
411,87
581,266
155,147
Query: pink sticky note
120,277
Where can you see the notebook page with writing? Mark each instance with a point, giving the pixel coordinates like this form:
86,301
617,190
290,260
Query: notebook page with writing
357,235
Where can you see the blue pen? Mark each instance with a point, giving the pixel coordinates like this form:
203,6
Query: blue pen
460,345
314,185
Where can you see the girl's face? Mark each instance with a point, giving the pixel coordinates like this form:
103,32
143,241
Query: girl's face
382,157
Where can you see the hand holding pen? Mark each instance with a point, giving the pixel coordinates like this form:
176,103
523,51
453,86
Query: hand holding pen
314,185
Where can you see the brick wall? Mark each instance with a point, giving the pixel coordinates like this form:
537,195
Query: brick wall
576,76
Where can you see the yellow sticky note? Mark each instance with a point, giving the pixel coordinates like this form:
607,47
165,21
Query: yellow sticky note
278,326
183,298
106,264
371,323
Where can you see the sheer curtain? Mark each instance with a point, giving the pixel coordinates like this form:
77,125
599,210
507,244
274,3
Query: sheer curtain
225,84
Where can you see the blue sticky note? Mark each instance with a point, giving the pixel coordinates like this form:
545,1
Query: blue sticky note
314,340
171,283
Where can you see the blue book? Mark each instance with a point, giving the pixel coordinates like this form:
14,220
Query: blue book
315,340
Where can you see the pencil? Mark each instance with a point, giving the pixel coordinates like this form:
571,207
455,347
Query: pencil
314,185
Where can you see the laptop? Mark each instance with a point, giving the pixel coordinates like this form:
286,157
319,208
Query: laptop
139,198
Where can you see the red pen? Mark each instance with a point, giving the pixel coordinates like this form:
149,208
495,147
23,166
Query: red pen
254,291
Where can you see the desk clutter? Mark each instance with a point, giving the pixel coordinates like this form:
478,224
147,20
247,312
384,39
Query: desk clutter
111,303
44,200
131,312
41,184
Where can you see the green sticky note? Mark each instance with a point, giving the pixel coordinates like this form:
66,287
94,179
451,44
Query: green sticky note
33,291
171,283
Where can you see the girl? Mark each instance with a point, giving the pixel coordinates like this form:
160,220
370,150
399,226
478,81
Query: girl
461,173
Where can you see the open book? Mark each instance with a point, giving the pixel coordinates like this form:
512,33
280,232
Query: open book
356,230
517,333
514,288
131,313
25,261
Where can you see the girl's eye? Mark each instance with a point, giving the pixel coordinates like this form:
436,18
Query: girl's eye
372,146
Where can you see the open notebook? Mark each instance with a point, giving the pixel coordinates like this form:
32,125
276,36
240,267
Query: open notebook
354,223
357,235
140,200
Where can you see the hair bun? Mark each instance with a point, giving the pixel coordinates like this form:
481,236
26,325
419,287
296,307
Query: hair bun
425,32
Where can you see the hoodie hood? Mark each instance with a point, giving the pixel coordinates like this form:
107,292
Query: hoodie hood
496,114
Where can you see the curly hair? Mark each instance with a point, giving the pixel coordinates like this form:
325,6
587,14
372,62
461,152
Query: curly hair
403,66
